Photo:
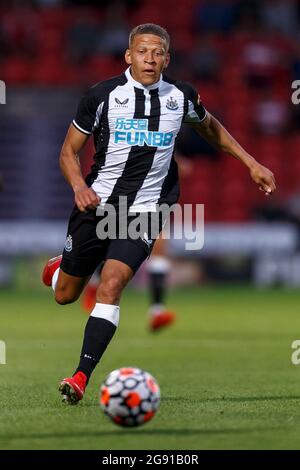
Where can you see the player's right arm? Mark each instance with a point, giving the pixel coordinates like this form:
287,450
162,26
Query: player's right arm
85,197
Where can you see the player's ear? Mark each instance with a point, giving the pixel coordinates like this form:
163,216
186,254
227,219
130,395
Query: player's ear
167,61
128,57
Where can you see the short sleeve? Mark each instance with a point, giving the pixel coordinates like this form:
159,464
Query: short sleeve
195,110
88,114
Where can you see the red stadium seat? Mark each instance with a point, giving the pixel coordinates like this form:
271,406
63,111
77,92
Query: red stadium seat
17,71
100,67
47,73
150,14
234,213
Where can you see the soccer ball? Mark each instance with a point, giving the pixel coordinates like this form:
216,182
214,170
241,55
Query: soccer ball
130,396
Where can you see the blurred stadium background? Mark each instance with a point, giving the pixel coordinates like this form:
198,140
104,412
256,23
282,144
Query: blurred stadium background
242,56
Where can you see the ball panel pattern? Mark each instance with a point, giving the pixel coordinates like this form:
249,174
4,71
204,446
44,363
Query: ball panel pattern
130,396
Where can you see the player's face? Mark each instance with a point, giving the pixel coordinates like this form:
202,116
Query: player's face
148,57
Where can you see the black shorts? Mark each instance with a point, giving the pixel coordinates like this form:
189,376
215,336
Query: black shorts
84,250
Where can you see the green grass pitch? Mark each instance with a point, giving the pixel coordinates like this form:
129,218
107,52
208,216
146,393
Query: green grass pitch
224,369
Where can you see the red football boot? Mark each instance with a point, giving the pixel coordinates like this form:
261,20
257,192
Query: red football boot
73,388
161,319
50,269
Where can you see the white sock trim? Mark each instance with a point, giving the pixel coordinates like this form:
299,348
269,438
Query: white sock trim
158,264
54,279
108,312
156,309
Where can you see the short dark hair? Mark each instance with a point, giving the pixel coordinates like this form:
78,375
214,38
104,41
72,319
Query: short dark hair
150,28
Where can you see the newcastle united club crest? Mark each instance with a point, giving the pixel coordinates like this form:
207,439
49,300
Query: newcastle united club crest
172,104
69,243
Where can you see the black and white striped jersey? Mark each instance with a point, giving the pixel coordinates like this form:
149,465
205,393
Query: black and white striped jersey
135,128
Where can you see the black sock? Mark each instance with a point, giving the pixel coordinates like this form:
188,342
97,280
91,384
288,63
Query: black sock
97,335
157,287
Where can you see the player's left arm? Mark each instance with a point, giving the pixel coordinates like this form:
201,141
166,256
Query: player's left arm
216,134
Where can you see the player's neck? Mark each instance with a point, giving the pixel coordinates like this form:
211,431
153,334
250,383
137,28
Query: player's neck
134,79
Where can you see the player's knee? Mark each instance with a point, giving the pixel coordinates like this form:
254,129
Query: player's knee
63,297
111,288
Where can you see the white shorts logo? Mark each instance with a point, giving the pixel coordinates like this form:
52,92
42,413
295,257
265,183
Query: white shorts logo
69,243
146,239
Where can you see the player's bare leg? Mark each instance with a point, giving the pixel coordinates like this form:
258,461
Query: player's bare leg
100,328
115,275
67,288
158,267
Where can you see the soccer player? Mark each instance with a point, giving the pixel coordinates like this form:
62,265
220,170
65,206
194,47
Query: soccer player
134,119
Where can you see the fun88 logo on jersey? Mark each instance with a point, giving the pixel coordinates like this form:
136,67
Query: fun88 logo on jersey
135,132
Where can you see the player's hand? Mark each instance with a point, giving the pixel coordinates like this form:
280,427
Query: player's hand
263,177
86,198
